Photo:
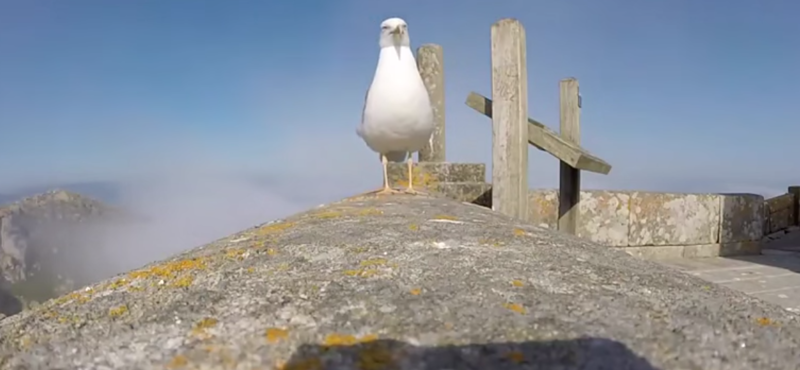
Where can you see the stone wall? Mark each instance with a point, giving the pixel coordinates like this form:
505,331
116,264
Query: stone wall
662,225
648,224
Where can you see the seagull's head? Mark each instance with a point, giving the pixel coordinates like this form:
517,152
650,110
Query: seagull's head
394,32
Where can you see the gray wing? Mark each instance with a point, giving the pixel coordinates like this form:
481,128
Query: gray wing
364,108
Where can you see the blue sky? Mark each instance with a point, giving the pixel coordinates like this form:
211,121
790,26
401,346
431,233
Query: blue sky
678,95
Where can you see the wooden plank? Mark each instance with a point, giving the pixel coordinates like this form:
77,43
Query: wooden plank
430,62
796,208
545,139
569,195
509,131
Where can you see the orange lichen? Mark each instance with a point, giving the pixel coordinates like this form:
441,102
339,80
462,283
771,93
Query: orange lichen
516,357
170,269
200,327
375,357
517,283
274,228
415,291
445,217
178,361
765,321
274,335
516,307
347,339
118,311
311,363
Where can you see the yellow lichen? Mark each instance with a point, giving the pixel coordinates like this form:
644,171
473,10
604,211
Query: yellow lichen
415,291
359,250
519,232
327,214
413,227
274,228
274,335
517,283
445,217
119,283
271,252
421,179
370,212
516,307
250,270
374,262
118,311
183,281
236,253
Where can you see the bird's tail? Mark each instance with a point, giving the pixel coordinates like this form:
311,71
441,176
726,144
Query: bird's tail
396,156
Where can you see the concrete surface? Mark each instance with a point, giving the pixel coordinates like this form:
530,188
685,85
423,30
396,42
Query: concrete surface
773,276
402,282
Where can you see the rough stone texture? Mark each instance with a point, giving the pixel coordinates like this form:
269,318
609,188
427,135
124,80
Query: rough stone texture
741,218
603,214
543,208
673,219
429,174
402,282
779,212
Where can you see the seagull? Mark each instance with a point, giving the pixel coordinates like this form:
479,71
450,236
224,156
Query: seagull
397,119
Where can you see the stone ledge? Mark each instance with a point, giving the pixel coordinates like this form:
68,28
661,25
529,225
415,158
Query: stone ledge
427,174
662,252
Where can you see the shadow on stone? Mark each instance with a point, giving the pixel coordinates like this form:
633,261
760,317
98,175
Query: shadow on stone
9,304
585,353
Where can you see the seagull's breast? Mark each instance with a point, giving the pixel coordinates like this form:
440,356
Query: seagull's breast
398,114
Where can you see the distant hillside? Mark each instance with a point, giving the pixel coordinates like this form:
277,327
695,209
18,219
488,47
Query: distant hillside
44,240
104,191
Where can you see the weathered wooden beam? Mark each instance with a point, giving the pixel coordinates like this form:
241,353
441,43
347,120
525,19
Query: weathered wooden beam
545,139
569,195
795,190
509,131
430,61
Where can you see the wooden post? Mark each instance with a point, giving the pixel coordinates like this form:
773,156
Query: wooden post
570,179
795,190
430,61
509,119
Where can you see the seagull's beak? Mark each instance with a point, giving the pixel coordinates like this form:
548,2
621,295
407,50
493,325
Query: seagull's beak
397,33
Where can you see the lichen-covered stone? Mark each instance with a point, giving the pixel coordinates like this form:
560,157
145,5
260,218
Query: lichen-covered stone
402,282
742,218
543,208
430,174
604,217
779,213
673,219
